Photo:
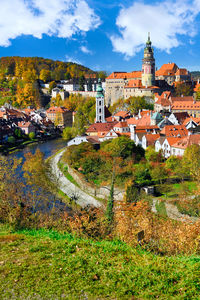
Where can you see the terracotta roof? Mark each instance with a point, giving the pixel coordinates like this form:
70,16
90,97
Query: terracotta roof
55,109
101,127
122,114
172,140
24,124
174,131
145,120
167,69
184,98
187,141
197,87
187,120
186,105
121,125
134,83
123,75
182,72
2,113
152,138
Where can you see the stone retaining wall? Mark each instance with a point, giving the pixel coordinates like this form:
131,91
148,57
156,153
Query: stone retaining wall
102,192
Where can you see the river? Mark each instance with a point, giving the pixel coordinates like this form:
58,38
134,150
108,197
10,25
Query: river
48,148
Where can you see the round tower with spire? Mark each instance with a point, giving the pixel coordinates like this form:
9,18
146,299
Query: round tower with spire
100,108
148,65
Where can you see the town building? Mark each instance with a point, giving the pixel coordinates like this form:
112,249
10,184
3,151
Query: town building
60,116
147,82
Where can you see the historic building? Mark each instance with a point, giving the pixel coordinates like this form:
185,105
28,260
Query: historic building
146,82
100,108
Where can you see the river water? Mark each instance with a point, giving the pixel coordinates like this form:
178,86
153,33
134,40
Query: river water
48,148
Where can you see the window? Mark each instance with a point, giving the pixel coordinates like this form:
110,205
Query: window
99,102
99,110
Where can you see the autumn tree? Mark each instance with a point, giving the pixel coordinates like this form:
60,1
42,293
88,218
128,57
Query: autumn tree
191,161
183,89
45,75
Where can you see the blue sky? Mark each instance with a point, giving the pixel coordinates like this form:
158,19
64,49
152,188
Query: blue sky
102,34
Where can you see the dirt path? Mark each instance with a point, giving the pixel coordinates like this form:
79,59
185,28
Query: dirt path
71,190
173,213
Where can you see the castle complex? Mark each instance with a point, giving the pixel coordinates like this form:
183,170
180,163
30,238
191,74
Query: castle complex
146,82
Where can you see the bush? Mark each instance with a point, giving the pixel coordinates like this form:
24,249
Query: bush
11,139
31,135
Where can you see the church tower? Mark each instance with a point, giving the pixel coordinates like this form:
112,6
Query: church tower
100,108
148,65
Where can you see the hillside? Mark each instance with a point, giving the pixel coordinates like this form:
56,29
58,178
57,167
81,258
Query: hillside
14,64
195,75
49,265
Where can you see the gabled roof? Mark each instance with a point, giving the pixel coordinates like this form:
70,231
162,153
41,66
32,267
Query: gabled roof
134,83
55,109
174,131
167,70
187,141
164,122
101,127
181,99
152,138
156,116
121,125
122,113
172,140
186,105
195,120
182,72
145,120
125,75
181,116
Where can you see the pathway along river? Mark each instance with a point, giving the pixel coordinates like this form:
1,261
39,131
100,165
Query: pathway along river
48,148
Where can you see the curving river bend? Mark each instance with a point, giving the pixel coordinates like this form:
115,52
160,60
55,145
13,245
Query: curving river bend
48,148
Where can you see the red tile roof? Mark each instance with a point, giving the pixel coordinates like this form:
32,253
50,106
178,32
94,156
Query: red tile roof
121,125
167,69
174,131
122,114
187,141
186,105
152,138
172,140
55,109
101,127
122,75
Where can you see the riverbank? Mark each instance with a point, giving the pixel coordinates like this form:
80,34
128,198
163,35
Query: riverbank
6,150
67,187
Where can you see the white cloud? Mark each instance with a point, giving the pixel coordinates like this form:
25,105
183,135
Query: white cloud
73,60
85,50
61,18
165,21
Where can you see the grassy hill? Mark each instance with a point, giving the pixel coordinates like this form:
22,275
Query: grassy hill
50,265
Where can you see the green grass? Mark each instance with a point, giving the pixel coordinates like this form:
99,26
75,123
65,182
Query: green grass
64,169
161,209
175,189
50,265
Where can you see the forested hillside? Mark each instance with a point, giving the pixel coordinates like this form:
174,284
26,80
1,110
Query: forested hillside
19,78
58,70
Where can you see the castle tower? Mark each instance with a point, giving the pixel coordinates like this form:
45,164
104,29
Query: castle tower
100,109
148,65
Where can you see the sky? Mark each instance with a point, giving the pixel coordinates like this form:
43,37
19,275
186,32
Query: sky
105,35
